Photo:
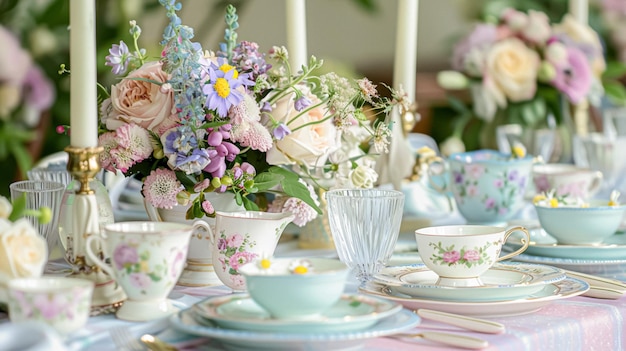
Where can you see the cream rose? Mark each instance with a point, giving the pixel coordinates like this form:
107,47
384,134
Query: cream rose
513,68
308,144
23,252
5,207
140,102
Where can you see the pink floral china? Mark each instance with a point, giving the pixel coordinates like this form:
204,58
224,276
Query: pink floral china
241,237
147,259
460,254
567,179
60,302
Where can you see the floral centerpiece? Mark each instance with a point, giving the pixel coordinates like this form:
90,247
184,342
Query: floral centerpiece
521,68
237,121
23,252
25,92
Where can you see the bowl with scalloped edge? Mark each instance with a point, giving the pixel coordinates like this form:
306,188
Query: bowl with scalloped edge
576,225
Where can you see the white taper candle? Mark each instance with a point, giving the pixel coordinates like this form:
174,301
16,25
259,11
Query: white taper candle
296,33
83,76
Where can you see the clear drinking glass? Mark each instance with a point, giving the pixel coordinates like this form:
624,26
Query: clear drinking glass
365,224
41,193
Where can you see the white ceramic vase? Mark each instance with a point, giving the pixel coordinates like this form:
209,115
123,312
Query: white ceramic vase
199,270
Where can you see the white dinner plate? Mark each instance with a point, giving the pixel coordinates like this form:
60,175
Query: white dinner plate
615,269
565,288
351,312
189,322
503,281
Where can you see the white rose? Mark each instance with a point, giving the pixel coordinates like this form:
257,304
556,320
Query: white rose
513,67
23,252
309,145
363,177
5,207
538,28
451,146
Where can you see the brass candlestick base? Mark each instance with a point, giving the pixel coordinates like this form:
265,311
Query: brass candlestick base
83,165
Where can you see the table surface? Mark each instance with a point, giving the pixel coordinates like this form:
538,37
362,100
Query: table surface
578,323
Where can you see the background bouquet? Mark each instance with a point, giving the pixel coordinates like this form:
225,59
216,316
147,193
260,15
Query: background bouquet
238,121
522,68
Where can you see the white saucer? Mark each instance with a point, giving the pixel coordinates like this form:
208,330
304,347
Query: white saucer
352,312
565,288
189,322
615,269
503,281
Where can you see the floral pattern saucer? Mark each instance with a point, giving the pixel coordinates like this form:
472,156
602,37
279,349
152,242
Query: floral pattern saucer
501,282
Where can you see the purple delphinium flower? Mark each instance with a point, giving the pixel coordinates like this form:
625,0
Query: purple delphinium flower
119,58
281,131
302,103
574,77
246,55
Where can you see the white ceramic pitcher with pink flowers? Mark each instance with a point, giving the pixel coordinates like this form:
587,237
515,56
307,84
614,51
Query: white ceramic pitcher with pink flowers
240,237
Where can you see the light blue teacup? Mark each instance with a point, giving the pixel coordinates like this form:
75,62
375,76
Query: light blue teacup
488,186
287,292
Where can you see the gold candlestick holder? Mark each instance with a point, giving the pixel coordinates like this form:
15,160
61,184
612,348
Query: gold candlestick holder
83,164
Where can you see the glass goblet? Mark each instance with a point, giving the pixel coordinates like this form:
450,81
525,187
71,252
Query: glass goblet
365,224
41,193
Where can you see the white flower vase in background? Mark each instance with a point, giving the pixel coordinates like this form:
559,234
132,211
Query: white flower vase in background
199,270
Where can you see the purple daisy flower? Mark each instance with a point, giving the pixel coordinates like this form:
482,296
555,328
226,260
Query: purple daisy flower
222,92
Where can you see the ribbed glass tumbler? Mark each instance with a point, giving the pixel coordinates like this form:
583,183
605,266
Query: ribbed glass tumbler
365,224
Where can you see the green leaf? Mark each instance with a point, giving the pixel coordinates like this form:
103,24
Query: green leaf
19,206
187,180
457,105
284,172
249,204
299,190
614,70
267,180
616,92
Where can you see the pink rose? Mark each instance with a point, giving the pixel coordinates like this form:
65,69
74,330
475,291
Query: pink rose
240,258
451,256
141,102
471,255
310,144
234,240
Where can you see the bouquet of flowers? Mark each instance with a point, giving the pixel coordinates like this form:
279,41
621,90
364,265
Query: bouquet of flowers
25,92
520,68
239,121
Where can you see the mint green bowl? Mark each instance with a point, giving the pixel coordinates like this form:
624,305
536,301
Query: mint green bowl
296,296
581,225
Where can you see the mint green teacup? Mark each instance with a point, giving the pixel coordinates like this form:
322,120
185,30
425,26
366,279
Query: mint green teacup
295,288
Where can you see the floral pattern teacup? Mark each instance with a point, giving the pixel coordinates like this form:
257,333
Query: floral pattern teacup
489,186
63,303
459,254
240,237
147,259
567,179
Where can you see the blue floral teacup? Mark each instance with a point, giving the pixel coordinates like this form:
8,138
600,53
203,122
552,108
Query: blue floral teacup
489,186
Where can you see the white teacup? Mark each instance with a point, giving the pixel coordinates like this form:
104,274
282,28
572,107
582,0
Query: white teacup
60,302
147,259
459,254
567,179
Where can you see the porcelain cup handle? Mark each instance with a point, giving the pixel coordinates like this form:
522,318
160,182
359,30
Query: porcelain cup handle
595,184
152,211
525,242
96,260
204,226
437,167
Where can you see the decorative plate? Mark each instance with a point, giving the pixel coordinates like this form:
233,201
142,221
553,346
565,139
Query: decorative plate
189,322
352,312
503,281
565,288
